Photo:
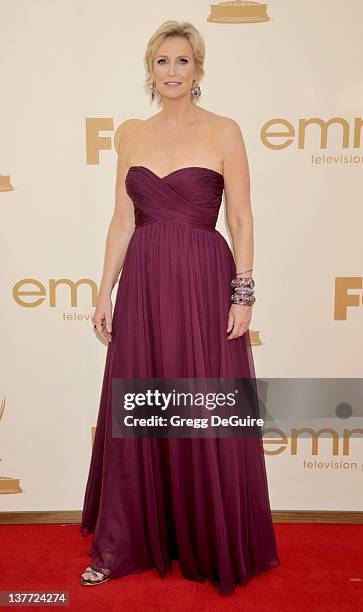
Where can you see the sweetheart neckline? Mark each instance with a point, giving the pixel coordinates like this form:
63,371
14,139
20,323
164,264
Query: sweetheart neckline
176,170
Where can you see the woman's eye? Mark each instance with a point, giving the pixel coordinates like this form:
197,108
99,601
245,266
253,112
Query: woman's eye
183,59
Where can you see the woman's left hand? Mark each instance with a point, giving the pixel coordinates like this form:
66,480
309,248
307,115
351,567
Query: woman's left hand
239,318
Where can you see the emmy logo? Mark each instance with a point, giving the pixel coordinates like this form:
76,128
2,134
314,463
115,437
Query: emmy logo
7,484
5,184
238,11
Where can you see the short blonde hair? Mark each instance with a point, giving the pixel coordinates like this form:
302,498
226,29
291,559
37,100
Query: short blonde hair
169,29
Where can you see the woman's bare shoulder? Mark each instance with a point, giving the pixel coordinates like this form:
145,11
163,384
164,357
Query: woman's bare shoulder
129,126
225,123
222,126
127,132
228,132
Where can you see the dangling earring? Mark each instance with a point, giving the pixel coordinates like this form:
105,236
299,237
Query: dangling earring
153,93
196,91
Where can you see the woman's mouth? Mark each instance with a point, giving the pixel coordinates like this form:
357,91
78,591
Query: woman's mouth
172,83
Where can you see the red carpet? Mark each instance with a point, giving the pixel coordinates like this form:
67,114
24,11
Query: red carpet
322,570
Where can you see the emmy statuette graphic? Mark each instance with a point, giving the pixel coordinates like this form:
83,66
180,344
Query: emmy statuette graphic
238,11
5,184
8,484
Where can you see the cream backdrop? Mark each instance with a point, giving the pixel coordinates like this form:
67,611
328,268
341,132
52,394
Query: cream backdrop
71,72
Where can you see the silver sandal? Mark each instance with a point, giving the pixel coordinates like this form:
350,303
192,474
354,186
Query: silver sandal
98,577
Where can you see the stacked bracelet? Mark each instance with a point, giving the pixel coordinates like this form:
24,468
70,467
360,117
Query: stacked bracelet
243,291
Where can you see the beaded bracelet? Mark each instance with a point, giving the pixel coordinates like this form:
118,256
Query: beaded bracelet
244,301
243,291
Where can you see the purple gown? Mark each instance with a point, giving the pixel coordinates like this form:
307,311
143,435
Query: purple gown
203,501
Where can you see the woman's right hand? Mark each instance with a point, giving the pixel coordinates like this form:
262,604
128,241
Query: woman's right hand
102,319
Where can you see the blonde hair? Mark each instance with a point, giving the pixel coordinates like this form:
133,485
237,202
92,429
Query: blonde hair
169,29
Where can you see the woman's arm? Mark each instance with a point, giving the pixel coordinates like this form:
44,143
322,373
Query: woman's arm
121,228
239,216
123,219
237,194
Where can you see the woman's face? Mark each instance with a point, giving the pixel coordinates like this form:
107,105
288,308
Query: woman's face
174,63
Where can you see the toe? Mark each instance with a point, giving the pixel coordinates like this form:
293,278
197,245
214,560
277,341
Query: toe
86,573
96,576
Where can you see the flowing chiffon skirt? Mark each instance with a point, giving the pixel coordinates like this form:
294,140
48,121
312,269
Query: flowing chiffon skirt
201,501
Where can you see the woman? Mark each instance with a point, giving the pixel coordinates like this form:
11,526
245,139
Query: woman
150,500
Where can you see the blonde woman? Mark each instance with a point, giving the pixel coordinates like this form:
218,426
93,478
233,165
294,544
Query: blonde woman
201,501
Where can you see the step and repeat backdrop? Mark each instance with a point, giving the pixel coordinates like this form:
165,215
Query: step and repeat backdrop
290,74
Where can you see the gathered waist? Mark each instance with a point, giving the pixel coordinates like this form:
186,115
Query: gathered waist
208,228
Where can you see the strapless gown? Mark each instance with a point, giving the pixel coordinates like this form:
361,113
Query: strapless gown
201,501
